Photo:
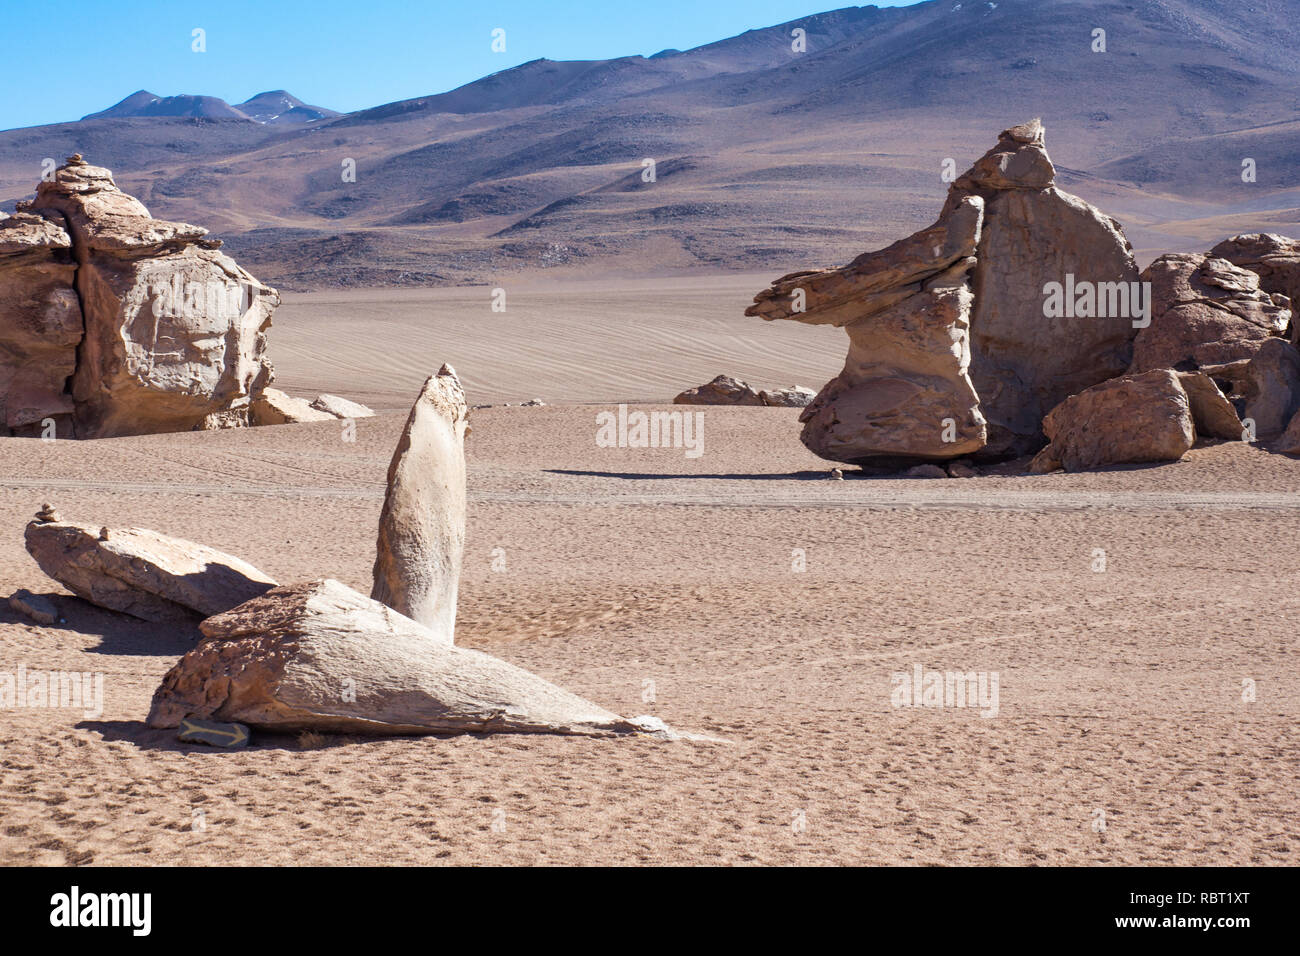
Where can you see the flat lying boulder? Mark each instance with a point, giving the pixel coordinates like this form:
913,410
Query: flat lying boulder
723,390
341,407
904,395
322,657
1205,311
274,407
142,573
1136,418
422,526
1264,388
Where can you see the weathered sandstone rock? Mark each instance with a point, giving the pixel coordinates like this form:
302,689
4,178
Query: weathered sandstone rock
723,390
174,331
341,407
1136,418
1264,388
1205,311
273,407
422,526
1212,413
142,573
796,396
903,394
1275,259
1023,362
40,324
322,657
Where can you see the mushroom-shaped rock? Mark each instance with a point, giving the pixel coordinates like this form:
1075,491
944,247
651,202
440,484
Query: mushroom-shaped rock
904,394
422,526
139,572
322,657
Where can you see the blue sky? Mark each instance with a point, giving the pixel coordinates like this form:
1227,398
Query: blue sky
341,54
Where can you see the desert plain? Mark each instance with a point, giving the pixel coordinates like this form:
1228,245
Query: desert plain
1141,621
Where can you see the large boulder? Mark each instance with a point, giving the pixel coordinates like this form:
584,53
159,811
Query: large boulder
904,394
1135,418
1275,259
322,657
175,331
1024,359
40,325
422,525
1205,311
1264,388
139,572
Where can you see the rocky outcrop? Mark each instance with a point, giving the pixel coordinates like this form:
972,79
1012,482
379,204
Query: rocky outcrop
322,657
1205,311
40,325
1275,259
116,323
175,331
904,394
725,390
142,573
957,344
1027,357
1135,418
422,525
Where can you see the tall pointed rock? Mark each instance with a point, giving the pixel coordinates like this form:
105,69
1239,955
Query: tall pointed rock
422,526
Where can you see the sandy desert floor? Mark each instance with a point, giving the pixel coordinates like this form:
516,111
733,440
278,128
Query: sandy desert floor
650,582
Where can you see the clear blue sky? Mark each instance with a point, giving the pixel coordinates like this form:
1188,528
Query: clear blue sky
341,54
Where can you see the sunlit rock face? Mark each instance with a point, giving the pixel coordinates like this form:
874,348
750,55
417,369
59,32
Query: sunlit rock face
172,331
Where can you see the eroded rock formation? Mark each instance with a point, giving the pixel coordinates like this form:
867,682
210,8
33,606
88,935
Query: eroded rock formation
953,349
904,393
1205,311
137,325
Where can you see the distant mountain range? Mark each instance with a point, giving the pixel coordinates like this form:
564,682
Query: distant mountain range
274,107
765,158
